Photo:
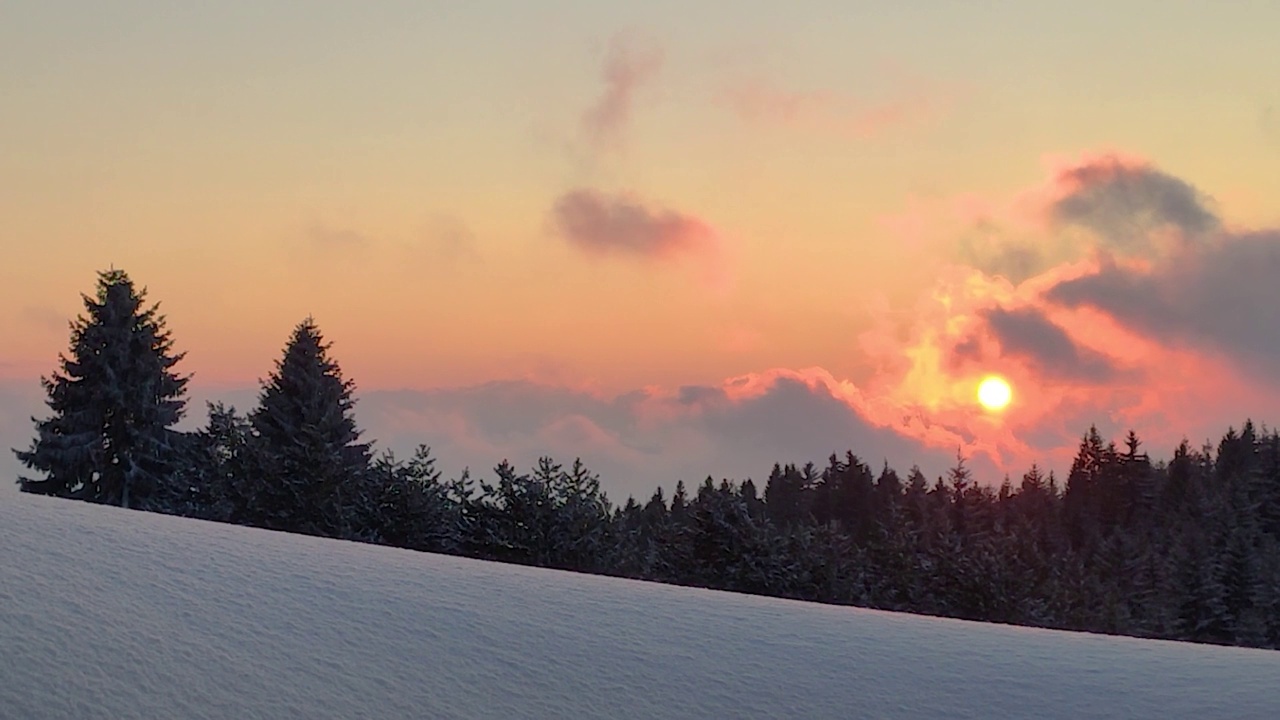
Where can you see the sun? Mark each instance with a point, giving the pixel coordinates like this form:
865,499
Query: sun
994,392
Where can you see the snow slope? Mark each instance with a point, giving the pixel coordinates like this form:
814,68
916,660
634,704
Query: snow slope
121,614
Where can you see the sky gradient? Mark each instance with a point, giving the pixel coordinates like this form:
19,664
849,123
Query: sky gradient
679,239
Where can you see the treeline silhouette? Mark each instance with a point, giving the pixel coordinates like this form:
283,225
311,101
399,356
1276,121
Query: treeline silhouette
1187,549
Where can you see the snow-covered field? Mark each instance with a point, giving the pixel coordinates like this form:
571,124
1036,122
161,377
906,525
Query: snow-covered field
107,613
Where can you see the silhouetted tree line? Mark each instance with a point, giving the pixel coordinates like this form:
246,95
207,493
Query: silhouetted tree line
1187,549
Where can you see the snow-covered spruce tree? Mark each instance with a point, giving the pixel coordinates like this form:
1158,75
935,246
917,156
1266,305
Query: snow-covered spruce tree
414,507
211,463
583,517
307,470
114,402
514,518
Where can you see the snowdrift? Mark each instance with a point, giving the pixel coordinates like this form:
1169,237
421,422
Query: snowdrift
122,614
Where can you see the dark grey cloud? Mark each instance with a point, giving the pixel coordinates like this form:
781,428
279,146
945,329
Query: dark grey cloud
1124,201
1027,333
603,224
1221,297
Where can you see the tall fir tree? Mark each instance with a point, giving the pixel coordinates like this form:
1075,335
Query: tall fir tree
114,402
309,471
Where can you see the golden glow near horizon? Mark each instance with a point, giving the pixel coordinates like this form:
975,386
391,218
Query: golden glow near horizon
994,393
603,202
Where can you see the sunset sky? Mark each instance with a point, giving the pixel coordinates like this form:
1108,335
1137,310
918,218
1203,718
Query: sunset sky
675,238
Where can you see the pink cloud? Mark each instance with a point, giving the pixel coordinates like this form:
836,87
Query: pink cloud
622,226
602,225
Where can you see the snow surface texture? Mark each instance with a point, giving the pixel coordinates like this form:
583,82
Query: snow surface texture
108,613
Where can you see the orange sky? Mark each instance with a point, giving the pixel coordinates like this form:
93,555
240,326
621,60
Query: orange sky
647,236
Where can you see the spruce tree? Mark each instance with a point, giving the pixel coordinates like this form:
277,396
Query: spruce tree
309,472
113,401
413,507
212,469
582,518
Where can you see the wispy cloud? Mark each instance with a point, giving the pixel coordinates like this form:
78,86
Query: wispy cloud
325,238
445,239
1269,121
762,101
442,239
629,64
319,247
46,318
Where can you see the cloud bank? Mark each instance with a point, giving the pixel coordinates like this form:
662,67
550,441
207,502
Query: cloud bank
644,439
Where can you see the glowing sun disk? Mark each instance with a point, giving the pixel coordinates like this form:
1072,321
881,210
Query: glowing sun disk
994,392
